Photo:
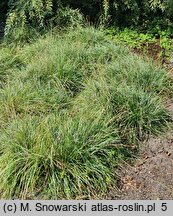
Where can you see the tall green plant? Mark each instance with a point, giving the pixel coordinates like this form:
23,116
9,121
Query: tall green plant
28,17
24,13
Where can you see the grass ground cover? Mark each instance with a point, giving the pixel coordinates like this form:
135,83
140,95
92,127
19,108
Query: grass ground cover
71,107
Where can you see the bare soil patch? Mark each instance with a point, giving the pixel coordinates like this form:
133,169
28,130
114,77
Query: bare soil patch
151,175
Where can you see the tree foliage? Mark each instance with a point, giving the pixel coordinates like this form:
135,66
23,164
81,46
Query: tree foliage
38,14
140,12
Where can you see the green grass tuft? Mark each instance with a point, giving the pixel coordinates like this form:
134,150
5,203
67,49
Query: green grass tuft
71,107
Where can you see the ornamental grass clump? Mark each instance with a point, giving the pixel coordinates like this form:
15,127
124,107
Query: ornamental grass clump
72,106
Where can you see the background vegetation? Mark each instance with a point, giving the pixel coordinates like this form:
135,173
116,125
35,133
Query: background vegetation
23,16
133,11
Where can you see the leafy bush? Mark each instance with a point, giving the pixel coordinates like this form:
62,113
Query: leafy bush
27,19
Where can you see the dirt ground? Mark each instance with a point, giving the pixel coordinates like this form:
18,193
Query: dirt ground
151,175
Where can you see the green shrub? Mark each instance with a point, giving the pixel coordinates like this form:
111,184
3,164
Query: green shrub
27,20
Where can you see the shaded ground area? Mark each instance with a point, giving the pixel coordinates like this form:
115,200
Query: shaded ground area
151,176
2,26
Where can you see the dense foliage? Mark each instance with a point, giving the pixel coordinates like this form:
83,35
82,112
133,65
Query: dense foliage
24,15
74,102
141,13
72,106
128,10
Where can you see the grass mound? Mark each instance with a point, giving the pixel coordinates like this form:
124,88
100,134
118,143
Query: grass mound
71,106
